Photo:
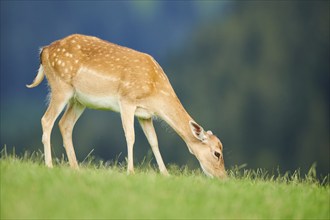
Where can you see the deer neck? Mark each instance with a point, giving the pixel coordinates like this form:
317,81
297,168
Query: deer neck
177,117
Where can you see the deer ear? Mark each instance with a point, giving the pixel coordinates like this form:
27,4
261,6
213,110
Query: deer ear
197,131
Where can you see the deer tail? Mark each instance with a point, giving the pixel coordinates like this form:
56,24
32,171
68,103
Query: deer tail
40,76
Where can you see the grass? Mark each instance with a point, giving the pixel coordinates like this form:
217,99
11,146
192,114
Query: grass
101,190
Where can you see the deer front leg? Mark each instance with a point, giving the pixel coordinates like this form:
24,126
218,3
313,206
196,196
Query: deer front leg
127,117
149,131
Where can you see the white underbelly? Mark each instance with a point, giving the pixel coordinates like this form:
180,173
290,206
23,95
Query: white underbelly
108,103
96,102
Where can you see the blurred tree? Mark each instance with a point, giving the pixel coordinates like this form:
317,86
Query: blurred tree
260,79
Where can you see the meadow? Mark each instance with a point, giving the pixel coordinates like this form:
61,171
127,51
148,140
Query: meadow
100,190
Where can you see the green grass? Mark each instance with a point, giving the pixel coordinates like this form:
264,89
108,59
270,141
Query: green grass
29,190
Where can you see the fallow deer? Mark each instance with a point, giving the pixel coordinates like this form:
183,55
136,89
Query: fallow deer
85,71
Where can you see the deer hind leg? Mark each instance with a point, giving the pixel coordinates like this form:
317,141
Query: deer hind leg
55,107
149,131
73,112
127,117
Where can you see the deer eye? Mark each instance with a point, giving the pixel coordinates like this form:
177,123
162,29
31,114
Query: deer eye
216,154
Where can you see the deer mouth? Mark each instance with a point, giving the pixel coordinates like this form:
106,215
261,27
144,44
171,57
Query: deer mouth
205,171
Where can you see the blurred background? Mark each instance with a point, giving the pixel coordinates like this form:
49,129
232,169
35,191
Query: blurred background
256,73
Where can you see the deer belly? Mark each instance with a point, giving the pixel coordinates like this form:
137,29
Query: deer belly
98,102
108,103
